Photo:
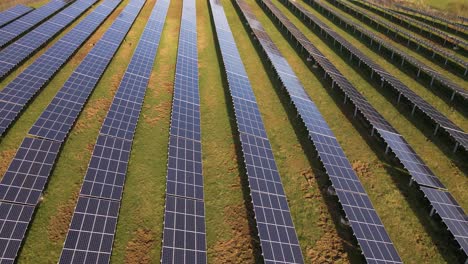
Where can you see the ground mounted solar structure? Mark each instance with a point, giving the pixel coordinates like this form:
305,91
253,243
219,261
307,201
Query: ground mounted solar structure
434,20
17,52
433,34
278,238
13,13
420,173
376,246
438,55
419,70
15,96
20,26
105,177
440,122
27,174
184,235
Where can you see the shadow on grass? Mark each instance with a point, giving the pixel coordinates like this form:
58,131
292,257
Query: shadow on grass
254,238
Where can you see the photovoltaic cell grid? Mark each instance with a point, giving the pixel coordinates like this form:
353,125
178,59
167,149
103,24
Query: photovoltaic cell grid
458,135
27,174
434,75
184,237
91,241
60,115
367,226
21,90
16,53
420,42
418,170
13,13
15,29
276,231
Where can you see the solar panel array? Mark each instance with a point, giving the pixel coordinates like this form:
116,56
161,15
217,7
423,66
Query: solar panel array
365,223
440,121
20,91
434,18
91,241
369,231
17,52
393,53
13,13
20,26
459,66
420,173
184,236
278,238
27,174
433,34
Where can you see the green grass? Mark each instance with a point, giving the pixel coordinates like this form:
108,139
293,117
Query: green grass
139,230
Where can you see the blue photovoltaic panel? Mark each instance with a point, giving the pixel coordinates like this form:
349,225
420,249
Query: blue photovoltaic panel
25,178
21,90
13,13
14,220
27,175
365,223
184,239
60,115
91,233
278,239
15,29
105,176
184,231
454,88
396,33
16,53
451,213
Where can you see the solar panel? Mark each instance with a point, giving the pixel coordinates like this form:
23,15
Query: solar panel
278,239
13,13
15,29
27,174
60,115
424,47
184,231
386,78
91,233
28,83
105,177
184,239
14,220
372,238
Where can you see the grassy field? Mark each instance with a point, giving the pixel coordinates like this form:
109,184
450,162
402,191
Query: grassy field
228,210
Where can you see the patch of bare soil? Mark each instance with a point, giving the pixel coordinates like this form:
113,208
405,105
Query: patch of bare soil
362,168
5,158
59,223
238,249
139,248
92,112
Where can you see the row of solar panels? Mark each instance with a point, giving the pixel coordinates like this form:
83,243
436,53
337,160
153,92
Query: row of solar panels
458,66
20,91
21,25
27,175
278,238
13,13
429,32
395,55
440,121
443,203
432,18
90,235
367,226
184,235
